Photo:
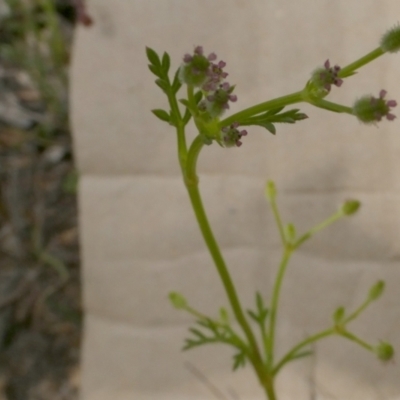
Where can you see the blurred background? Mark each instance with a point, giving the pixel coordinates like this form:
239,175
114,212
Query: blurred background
40,310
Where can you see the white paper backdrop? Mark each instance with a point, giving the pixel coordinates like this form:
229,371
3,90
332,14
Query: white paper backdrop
139,237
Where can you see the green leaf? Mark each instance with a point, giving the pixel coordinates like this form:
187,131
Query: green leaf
163,85
253,316
274,111
224,316
155,70
239,360
166,62
301,355
173,119
268,126
185,102
187,116
198,96
162,114
152,56
176,85
259,303
197,333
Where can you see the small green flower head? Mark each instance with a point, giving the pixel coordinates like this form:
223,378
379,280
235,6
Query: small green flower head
217,102
384,351
177,300
324,77
370,109
390,41
270,191
350,207
376,291
231,135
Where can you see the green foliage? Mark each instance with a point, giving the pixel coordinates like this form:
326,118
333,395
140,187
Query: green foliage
197,71
160,68
271,117
162,115
208,331
260,314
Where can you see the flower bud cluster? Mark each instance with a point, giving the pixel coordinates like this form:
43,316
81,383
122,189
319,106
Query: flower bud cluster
324,77
384,351
390,41
370,109
208,75
231,135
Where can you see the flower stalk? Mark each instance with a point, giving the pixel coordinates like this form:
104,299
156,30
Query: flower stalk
207,98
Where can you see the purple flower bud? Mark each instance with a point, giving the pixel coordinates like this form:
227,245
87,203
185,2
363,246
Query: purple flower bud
231,135
198,50
218,101
323,78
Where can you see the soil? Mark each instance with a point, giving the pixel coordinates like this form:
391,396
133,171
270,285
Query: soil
40,287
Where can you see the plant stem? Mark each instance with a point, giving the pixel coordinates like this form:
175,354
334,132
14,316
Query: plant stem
191,181
359,310
283,101
330,106
333,218
289,355
356,339
349,69
278,220
274,306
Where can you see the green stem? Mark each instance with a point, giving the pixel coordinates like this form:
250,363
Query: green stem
191,182
180,129
357,312
269,388
318,228
355,339
349,69
278,220
291,353
274,305
283,101
182,149
330,106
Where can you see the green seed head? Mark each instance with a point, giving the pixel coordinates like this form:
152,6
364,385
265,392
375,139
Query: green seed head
177,300
390,41
350,207
384,351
